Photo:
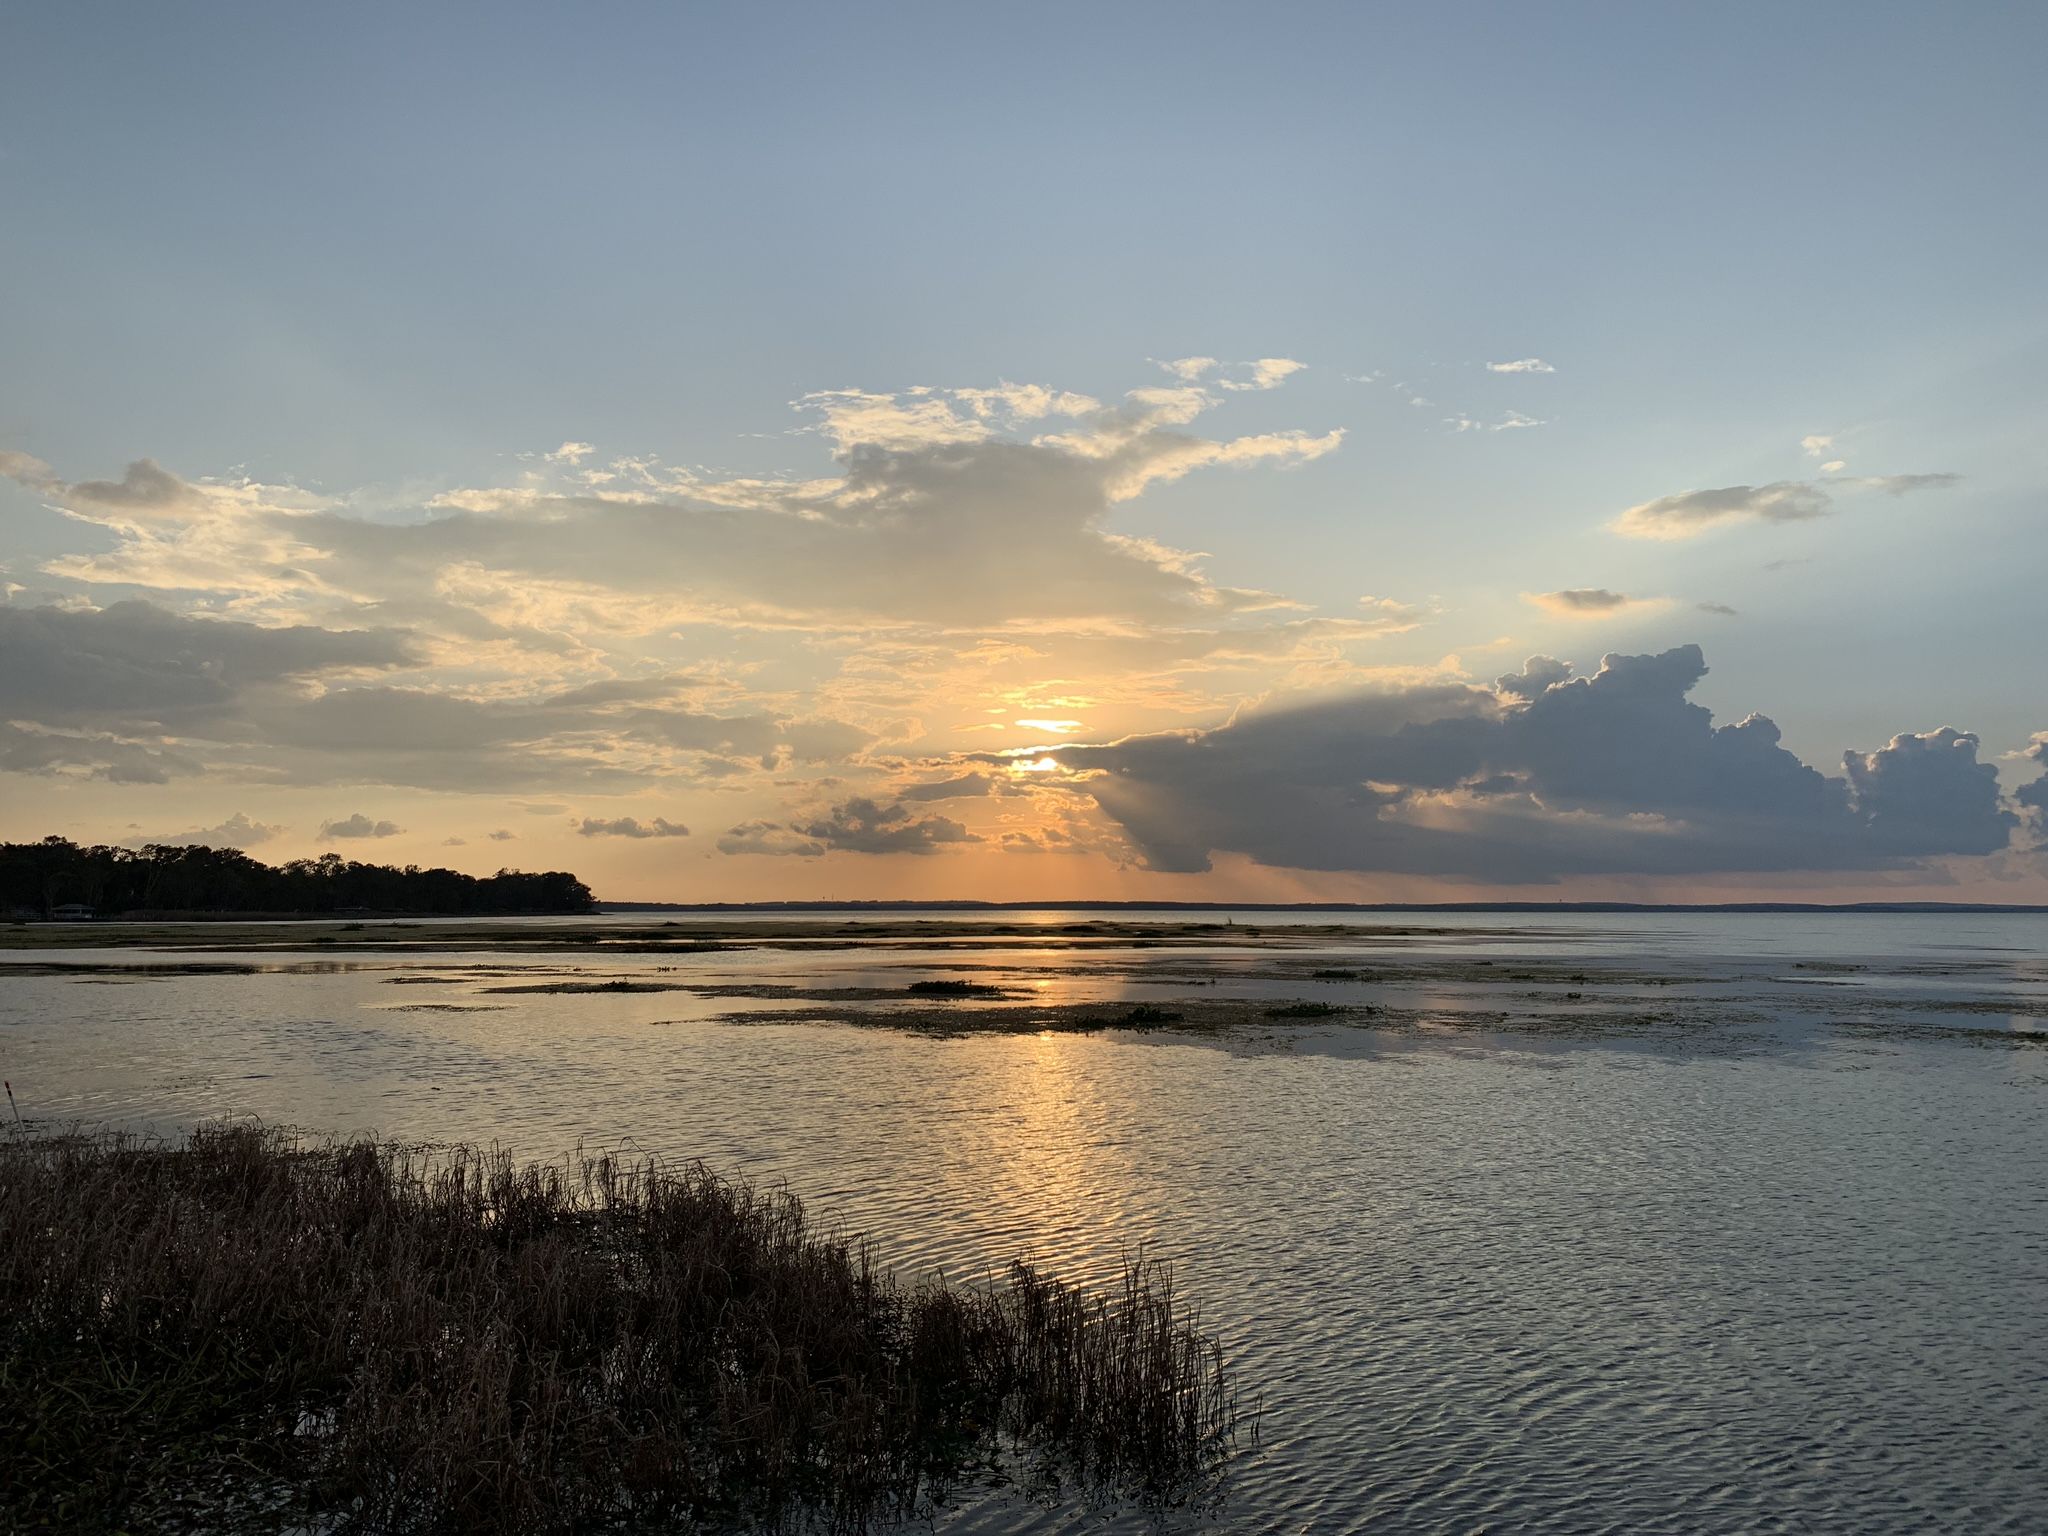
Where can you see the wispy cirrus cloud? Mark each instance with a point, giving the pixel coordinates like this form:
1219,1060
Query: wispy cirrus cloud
1688,514
1588,602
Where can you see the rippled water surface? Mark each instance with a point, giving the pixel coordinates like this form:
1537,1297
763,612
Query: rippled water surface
1578,1224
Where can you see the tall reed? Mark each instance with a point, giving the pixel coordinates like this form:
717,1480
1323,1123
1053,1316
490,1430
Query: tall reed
248,1324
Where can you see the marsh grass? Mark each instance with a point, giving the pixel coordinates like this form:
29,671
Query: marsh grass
384,1338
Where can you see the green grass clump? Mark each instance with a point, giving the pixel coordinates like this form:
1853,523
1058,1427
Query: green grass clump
245,1327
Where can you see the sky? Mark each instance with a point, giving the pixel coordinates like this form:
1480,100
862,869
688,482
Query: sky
1195,451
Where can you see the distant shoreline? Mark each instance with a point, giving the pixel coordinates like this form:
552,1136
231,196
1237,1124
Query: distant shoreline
773,907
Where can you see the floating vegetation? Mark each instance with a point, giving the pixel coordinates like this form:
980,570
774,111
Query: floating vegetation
246,1326
617,984
1306,1011
1147,1016
950,988
1951,1034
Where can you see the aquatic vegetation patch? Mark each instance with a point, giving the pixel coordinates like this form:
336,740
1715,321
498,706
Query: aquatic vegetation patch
248,1328
953,988
1309,1011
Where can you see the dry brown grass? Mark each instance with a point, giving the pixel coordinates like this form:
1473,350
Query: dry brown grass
247,1326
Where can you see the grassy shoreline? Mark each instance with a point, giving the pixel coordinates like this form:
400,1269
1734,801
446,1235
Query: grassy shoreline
250,1328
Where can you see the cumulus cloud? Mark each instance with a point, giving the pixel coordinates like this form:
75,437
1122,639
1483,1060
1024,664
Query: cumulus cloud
858,825
630,826
1265,373
1543,776
359,825
1689,513
1521,365
1586,602
945,510
238,831
1926,793
2032,797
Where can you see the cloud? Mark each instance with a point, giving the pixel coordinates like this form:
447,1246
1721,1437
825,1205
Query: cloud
946,510
768,837
629,826
858,825
134,664
570,453
1513,421
89,754
2032,797
1927,794
1545,775
1722,609
359,825
1587,602
1521,365
965,785
1815,445
27,470
861,825
1189,369
238,831
1689,513
1266,373
502,836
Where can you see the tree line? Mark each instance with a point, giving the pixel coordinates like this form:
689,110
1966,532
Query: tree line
36,879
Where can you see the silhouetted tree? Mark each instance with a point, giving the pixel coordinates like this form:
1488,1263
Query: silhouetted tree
37,878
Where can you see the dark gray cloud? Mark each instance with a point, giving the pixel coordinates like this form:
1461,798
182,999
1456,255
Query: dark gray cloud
2033,796
238,831
135,665
1927,794
91,754
359,825
1545,775
630,826
859,825
960,788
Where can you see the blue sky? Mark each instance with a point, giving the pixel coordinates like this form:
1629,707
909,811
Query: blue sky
380,255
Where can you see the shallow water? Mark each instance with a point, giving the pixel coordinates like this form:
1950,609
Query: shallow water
1492,1258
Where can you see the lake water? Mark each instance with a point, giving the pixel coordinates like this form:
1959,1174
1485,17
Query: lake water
1593,1223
